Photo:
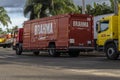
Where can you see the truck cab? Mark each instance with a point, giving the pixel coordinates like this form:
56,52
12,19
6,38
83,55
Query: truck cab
107,38
17,37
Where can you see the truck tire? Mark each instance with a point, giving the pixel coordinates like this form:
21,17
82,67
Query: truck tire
111,52
36,53
9,46
73,53
52,51
18,50
4,46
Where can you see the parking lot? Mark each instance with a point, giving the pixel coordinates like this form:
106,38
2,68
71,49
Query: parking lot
88,66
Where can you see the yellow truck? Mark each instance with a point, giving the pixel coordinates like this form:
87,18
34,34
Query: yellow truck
108,37
6,40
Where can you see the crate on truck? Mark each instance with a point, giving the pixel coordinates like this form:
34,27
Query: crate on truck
72,33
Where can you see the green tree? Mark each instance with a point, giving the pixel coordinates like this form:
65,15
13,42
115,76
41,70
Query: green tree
44,8
112,4
4,18
106,9
14,28
1,31
89,9
11,30
64,6
37,8
98,9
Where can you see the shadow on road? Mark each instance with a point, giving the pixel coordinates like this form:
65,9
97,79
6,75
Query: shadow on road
67,77
84,61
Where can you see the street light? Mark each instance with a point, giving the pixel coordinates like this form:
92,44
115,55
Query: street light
115,7
83,6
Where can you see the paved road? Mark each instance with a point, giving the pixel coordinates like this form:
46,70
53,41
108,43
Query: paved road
29,67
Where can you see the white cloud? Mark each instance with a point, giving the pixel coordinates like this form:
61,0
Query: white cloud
17,17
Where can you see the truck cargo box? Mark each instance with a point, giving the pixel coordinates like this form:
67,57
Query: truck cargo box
69,31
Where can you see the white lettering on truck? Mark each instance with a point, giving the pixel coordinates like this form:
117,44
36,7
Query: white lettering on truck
43,28
80,24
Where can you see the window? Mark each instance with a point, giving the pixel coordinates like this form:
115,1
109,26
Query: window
104,26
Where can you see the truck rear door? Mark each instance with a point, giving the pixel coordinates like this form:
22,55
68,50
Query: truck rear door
81,31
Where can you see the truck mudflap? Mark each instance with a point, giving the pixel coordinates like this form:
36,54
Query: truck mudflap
82,48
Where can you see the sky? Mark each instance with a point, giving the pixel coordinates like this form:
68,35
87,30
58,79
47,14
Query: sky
15,9
15,12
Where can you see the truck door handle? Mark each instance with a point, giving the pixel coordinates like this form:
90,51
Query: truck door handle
113,33
108,35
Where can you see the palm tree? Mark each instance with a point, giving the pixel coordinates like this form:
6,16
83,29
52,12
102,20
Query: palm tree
98,9
64,6
37,8
112,4
44,8
4,18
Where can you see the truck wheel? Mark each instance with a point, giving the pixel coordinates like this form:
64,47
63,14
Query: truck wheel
111,52
74,53
18,50
52,51
4,46
9,46
36,53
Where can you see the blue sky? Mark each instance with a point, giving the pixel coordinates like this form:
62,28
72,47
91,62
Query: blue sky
15,9
17,17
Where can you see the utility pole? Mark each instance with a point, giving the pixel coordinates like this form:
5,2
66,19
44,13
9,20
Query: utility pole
83,6
115,7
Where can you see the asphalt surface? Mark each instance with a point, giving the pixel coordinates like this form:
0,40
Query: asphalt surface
88,66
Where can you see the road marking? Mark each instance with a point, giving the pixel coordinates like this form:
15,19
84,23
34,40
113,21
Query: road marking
103,72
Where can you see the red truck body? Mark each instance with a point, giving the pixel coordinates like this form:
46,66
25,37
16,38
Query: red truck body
66,32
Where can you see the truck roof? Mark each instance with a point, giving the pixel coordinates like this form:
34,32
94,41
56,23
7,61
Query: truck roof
57,16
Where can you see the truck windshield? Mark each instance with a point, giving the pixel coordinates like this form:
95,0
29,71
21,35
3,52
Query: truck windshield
104,26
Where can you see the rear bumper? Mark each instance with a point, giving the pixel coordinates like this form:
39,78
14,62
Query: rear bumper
82,48
5,44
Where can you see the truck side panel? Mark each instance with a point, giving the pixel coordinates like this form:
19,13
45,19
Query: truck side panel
26,37
42,32
39,33
63,31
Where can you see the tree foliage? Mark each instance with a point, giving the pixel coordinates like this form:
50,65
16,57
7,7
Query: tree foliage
98,9
8,30
44,8
4,18
11,30
1,31
63,6
112,4
36,8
